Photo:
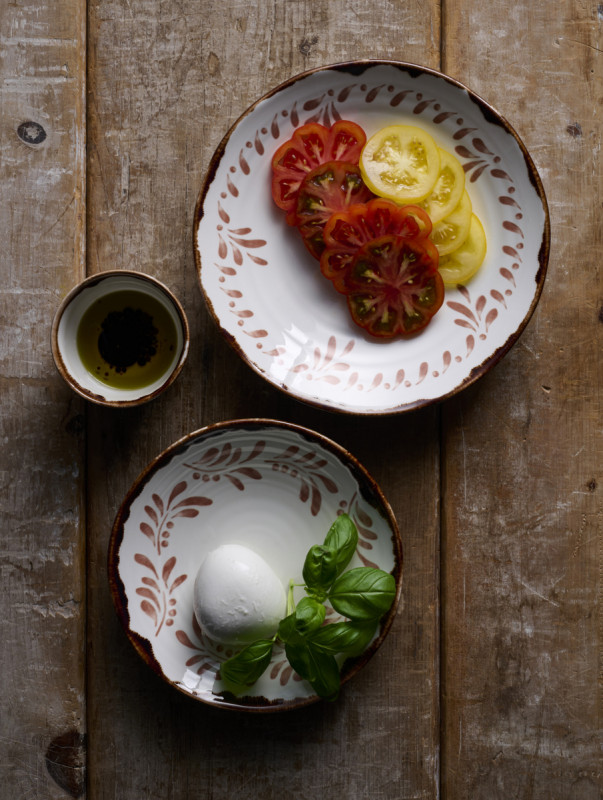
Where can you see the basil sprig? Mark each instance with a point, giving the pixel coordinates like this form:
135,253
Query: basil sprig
362,594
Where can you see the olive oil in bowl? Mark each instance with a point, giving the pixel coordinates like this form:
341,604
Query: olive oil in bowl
127,339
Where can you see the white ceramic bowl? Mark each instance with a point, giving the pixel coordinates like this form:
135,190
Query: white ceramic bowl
271,486
286,321
65,329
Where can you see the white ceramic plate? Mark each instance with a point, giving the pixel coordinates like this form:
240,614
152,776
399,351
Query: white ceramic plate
268,296
273,487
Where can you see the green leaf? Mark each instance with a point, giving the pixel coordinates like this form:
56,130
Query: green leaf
317,667
363,594
320,570
309,615
286,628
246,667
343,539
351,638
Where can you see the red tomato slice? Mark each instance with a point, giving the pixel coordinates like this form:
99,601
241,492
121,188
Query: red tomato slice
310,146
329,188
348,230
394,287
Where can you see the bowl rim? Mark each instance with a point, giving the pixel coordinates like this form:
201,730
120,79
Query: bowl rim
120,600
91,281
493,115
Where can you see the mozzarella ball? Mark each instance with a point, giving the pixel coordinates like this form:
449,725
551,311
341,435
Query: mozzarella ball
237,596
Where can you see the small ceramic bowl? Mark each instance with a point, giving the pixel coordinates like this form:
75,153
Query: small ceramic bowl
120,338
270,486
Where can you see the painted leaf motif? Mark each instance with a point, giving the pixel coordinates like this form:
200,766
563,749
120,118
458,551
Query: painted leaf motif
329,483
304,492
316,501
236,482
183,639
145,562
257,450
167,568
152,514
194,501
461,309
147,530
477,173
148,594
149,610
178,582
249,472
178,489
363,516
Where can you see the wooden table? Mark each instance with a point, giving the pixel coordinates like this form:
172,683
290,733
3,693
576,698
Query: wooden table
489,686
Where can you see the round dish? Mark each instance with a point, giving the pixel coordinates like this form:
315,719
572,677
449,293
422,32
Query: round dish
267,295
139,289
271,486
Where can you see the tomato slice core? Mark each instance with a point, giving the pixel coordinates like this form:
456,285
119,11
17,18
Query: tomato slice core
346,231
328,189
394,287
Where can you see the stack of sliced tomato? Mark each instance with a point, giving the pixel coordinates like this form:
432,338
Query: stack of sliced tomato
377,253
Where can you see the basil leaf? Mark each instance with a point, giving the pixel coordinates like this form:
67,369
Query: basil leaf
343,538
286,628
317,667
363,594
320,570
344,637
309,615
246,667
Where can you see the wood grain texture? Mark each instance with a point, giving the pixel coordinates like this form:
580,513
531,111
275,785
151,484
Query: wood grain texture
42,135
166,83
497,491
523,545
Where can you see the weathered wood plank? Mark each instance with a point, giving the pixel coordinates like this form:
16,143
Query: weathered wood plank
42,161
166,83
523,548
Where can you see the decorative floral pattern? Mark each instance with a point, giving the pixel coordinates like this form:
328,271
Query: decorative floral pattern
234,465
158,587
336,364
162,514
157,590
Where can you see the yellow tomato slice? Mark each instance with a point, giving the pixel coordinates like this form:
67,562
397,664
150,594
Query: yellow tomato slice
465,261
400,163
448,190
450,232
